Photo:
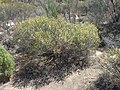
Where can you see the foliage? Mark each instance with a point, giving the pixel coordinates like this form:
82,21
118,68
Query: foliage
6,63
110,62
18,10
96,10
42,33
101,11
51,8
55,48
6,1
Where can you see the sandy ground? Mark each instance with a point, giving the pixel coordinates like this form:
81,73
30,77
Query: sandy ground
77,81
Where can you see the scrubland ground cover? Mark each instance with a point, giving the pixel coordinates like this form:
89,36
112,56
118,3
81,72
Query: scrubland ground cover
47,42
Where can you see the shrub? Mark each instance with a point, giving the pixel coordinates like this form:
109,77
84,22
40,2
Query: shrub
55,48
47,34
6,64
15,10
110,62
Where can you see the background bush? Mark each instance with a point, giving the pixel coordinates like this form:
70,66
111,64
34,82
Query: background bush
15,10
6,64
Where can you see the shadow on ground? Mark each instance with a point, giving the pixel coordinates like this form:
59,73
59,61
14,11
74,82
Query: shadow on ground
107,82
50,67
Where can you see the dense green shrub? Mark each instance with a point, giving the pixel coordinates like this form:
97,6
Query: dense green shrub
48,34
55,48
6,63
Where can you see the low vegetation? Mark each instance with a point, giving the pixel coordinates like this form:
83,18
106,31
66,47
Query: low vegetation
7,64
51,39
53,45
110,62
15,10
